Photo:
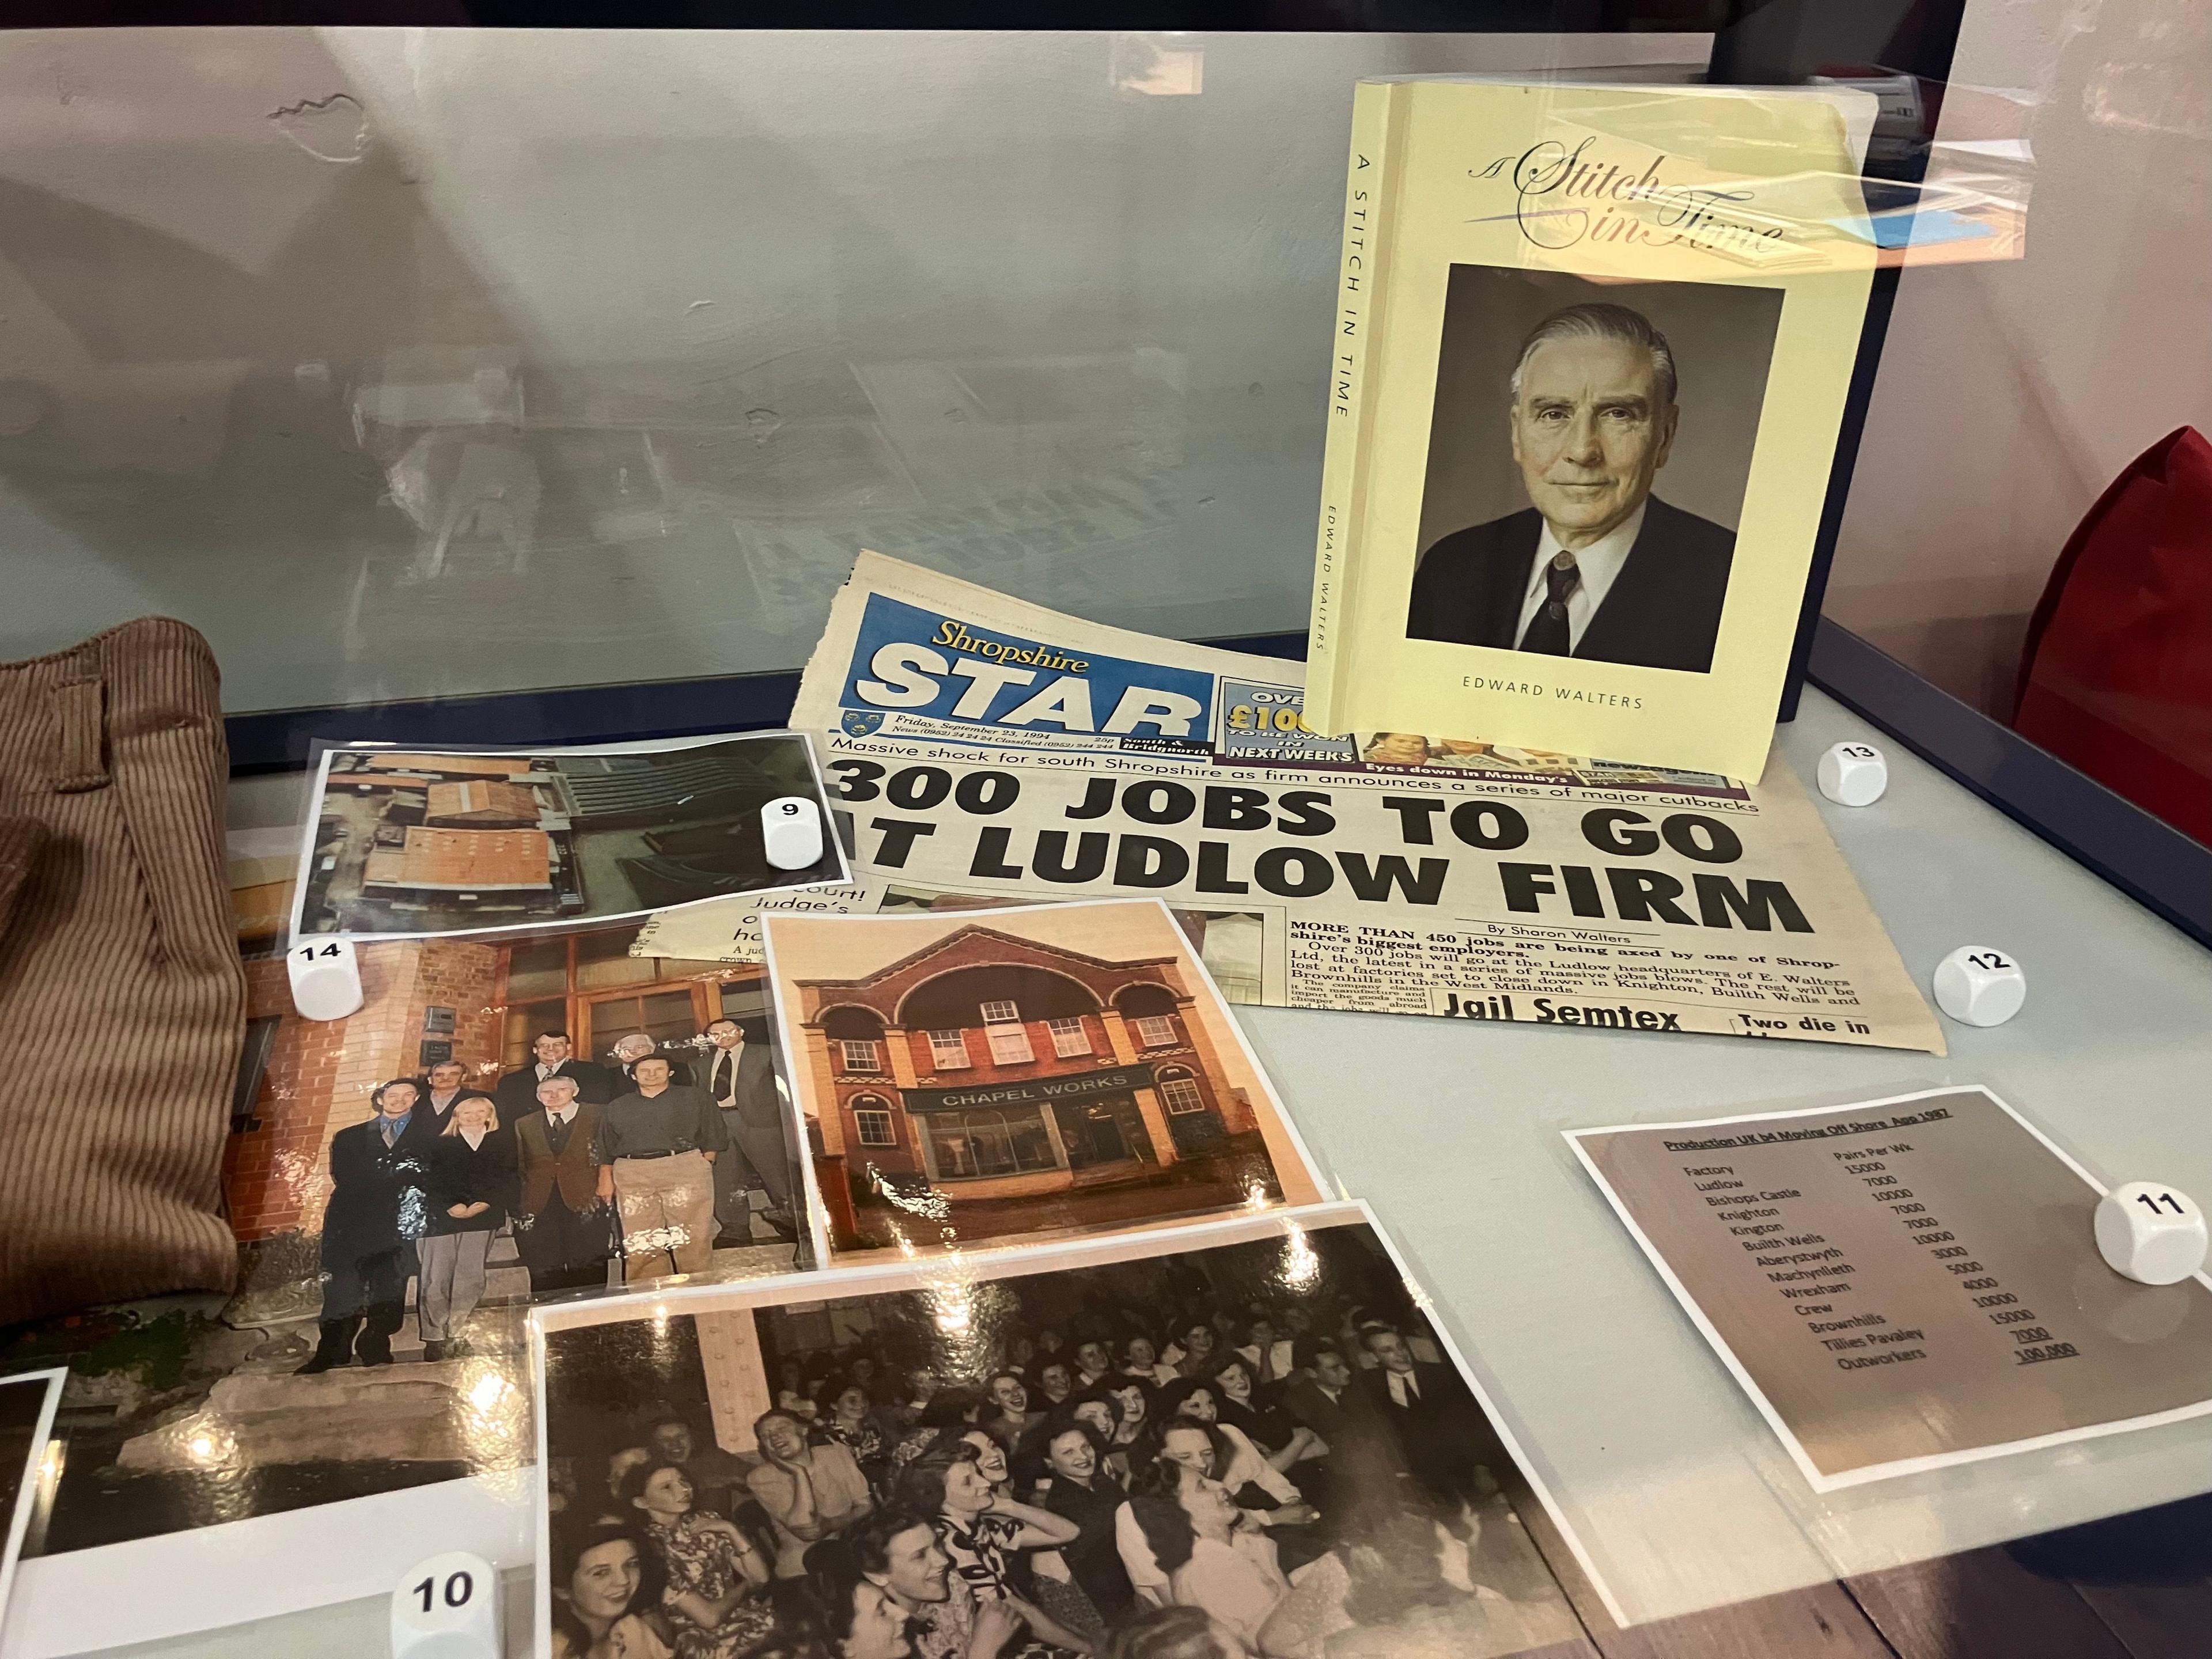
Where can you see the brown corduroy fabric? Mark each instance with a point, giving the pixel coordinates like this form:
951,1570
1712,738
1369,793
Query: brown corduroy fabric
122,999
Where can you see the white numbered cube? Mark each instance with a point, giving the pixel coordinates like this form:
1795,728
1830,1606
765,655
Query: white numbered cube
1853,775
1980,985
2150,1233
325,978
447,1608
791,830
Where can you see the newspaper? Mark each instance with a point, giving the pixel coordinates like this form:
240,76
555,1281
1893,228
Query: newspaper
981,749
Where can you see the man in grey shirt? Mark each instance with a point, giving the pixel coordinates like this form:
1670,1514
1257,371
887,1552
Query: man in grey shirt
657,1147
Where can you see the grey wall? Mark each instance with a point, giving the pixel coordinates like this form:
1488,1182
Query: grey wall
404,362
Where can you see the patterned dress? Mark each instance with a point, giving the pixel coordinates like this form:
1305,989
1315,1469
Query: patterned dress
942,1629
978,1551
864,1441
702,1559
979,1574
870,1446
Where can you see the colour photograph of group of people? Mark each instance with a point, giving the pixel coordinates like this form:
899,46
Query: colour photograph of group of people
646,1163
1253,1447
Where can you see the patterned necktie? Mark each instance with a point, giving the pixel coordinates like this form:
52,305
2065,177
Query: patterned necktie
390,1134
1547,628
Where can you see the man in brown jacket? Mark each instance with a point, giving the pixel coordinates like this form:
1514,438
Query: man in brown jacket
562,1231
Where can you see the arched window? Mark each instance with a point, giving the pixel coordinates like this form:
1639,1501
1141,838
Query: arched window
856,1040
872,1118
1179,1091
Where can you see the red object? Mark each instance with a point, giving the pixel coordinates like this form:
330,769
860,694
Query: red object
2116,679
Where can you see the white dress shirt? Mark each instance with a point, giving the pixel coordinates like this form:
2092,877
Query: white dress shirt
1404,1390
1600,563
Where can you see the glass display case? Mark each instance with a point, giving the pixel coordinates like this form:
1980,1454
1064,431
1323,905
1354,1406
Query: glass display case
517,390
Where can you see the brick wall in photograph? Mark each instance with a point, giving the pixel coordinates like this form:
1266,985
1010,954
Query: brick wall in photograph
321,1075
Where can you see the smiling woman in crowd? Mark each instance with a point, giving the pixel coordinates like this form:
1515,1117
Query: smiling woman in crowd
982,1530
811,1492
1216,1562
1279,1437
1078,1487
1006,1411
716,1575
1134,1396
852,1424
1141,1359
1247,1465
604,1590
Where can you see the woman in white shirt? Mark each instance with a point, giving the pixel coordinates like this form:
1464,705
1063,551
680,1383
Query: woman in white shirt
1213,1560
1246,1464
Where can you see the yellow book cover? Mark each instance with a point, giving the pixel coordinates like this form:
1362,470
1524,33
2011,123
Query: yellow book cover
1586,388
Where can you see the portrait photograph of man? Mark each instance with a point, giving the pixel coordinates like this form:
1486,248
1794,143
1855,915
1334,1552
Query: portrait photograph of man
1588,458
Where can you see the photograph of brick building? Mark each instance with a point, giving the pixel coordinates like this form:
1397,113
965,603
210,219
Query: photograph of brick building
974,1074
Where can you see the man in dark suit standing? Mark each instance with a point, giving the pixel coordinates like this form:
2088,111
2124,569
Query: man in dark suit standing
517,1090
1598,566
1442,1432
1364,1467
562,1231
741,1077
379,1177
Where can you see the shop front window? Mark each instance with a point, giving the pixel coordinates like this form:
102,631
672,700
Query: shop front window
991,1143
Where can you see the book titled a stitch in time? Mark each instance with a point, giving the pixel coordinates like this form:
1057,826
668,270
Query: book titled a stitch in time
1591,352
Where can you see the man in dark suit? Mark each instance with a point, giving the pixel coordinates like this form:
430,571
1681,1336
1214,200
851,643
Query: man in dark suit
1598,566
562,1231
1364,1467
741,1077
1443,1435
517,1090
380,1175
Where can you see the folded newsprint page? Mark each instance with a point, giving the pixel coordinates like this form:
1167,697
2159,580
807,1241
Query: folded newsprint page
986,750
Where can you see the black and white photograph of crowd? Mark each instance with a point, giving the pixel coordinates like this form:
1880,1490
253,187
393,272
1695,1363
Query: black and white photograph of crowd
1257,1450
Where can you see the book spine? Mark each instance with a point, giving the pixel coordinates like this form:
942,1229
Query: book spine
1376,108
